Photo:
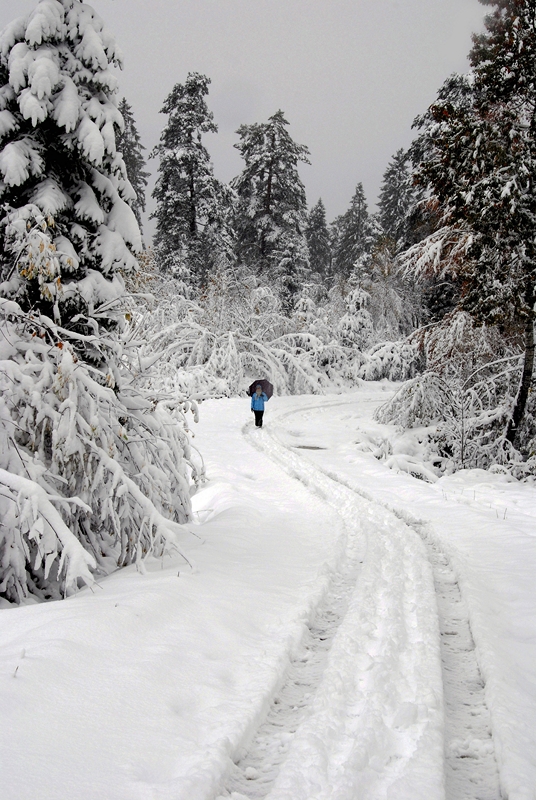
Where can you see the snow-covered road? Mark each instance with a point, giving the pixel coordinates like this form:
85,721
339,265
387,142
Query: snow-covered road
479,532
348,633
373,717
387,754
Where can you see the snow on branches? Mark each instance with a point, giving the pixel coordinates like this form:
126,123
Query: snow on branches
58,158
475,157
461,403
237,330
95,472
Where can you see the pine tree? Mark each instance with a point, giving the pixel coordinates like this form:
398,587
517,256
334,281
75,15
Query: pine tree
59,166
318,241
354,235
192,205
291,256
128,143
94,471
397,200
355,328
271,215
477,156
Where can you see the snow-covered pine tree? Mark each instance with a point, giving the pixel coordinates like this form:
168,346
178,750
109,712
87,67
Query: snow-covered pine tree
355,327
373,243
291,267
192,213
93,469
271,215
476,154
128,143
318,241
58,161
354,234
334,229
397,199
404,218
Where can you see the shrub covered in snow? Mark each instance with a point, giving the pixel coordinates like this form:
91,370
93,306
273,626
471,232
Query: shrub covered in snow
108,464
464,400
396,361
235,332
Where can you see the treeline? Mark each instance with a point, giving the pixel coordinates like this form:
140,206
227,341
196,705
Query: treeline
260,223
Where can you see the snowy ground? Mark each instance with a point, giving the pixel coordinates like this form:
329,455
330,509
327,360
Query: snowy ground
347,633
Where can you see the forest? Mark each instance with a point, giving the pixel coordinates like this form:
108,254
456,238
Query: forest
110,343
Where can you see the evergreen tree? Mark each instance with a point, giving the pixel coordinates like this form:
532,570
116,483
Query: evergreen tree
128,143
477,156
394,298
397,200
192,205
318,241
354,235
335,229
60,169
94,471
355,328
292,258
271,215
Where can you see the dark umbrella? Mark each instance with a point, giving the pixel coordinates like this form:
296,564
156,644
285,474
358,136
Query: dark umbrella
266,386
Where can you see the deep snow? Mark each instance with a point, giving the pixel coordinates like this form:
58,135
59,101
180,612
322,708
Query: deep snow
305,656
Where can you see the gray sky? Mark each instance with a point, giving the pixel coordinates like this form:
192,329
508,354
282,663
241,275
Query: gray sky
350,75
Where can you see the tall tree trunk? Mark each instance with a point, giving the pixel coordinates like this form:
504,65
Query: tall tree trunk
512,430
267,204
268,199
193,210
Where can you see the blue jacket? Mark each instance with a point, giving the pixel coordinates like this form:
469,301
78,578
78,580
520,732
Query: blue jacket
258,401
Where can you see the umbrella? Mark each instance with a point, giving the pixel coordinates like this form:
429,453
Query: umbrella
267,388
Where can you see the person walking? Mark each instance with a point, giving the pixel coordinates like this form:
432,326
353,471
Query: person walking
258,399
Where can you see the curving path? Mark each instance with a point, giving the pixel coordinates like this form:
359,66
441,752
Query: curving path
385,697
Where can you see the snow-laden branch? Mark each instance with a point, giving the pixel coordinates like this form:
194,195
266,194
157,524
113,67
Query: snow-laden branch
45,532
439,254
114,459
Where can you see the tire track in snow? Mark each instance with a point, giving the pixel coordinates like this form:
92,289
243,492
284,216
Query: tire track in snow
471,769
253,774
471,766
384,727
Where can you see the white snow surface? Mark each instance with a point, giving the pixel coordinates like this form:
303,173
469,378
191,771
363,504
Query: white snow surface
346,632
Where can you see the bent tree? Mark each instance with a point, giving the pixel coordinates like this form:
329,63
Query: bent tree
476,155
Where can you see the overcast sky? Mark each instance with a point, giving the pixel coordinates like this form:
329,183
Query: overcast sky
350,75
